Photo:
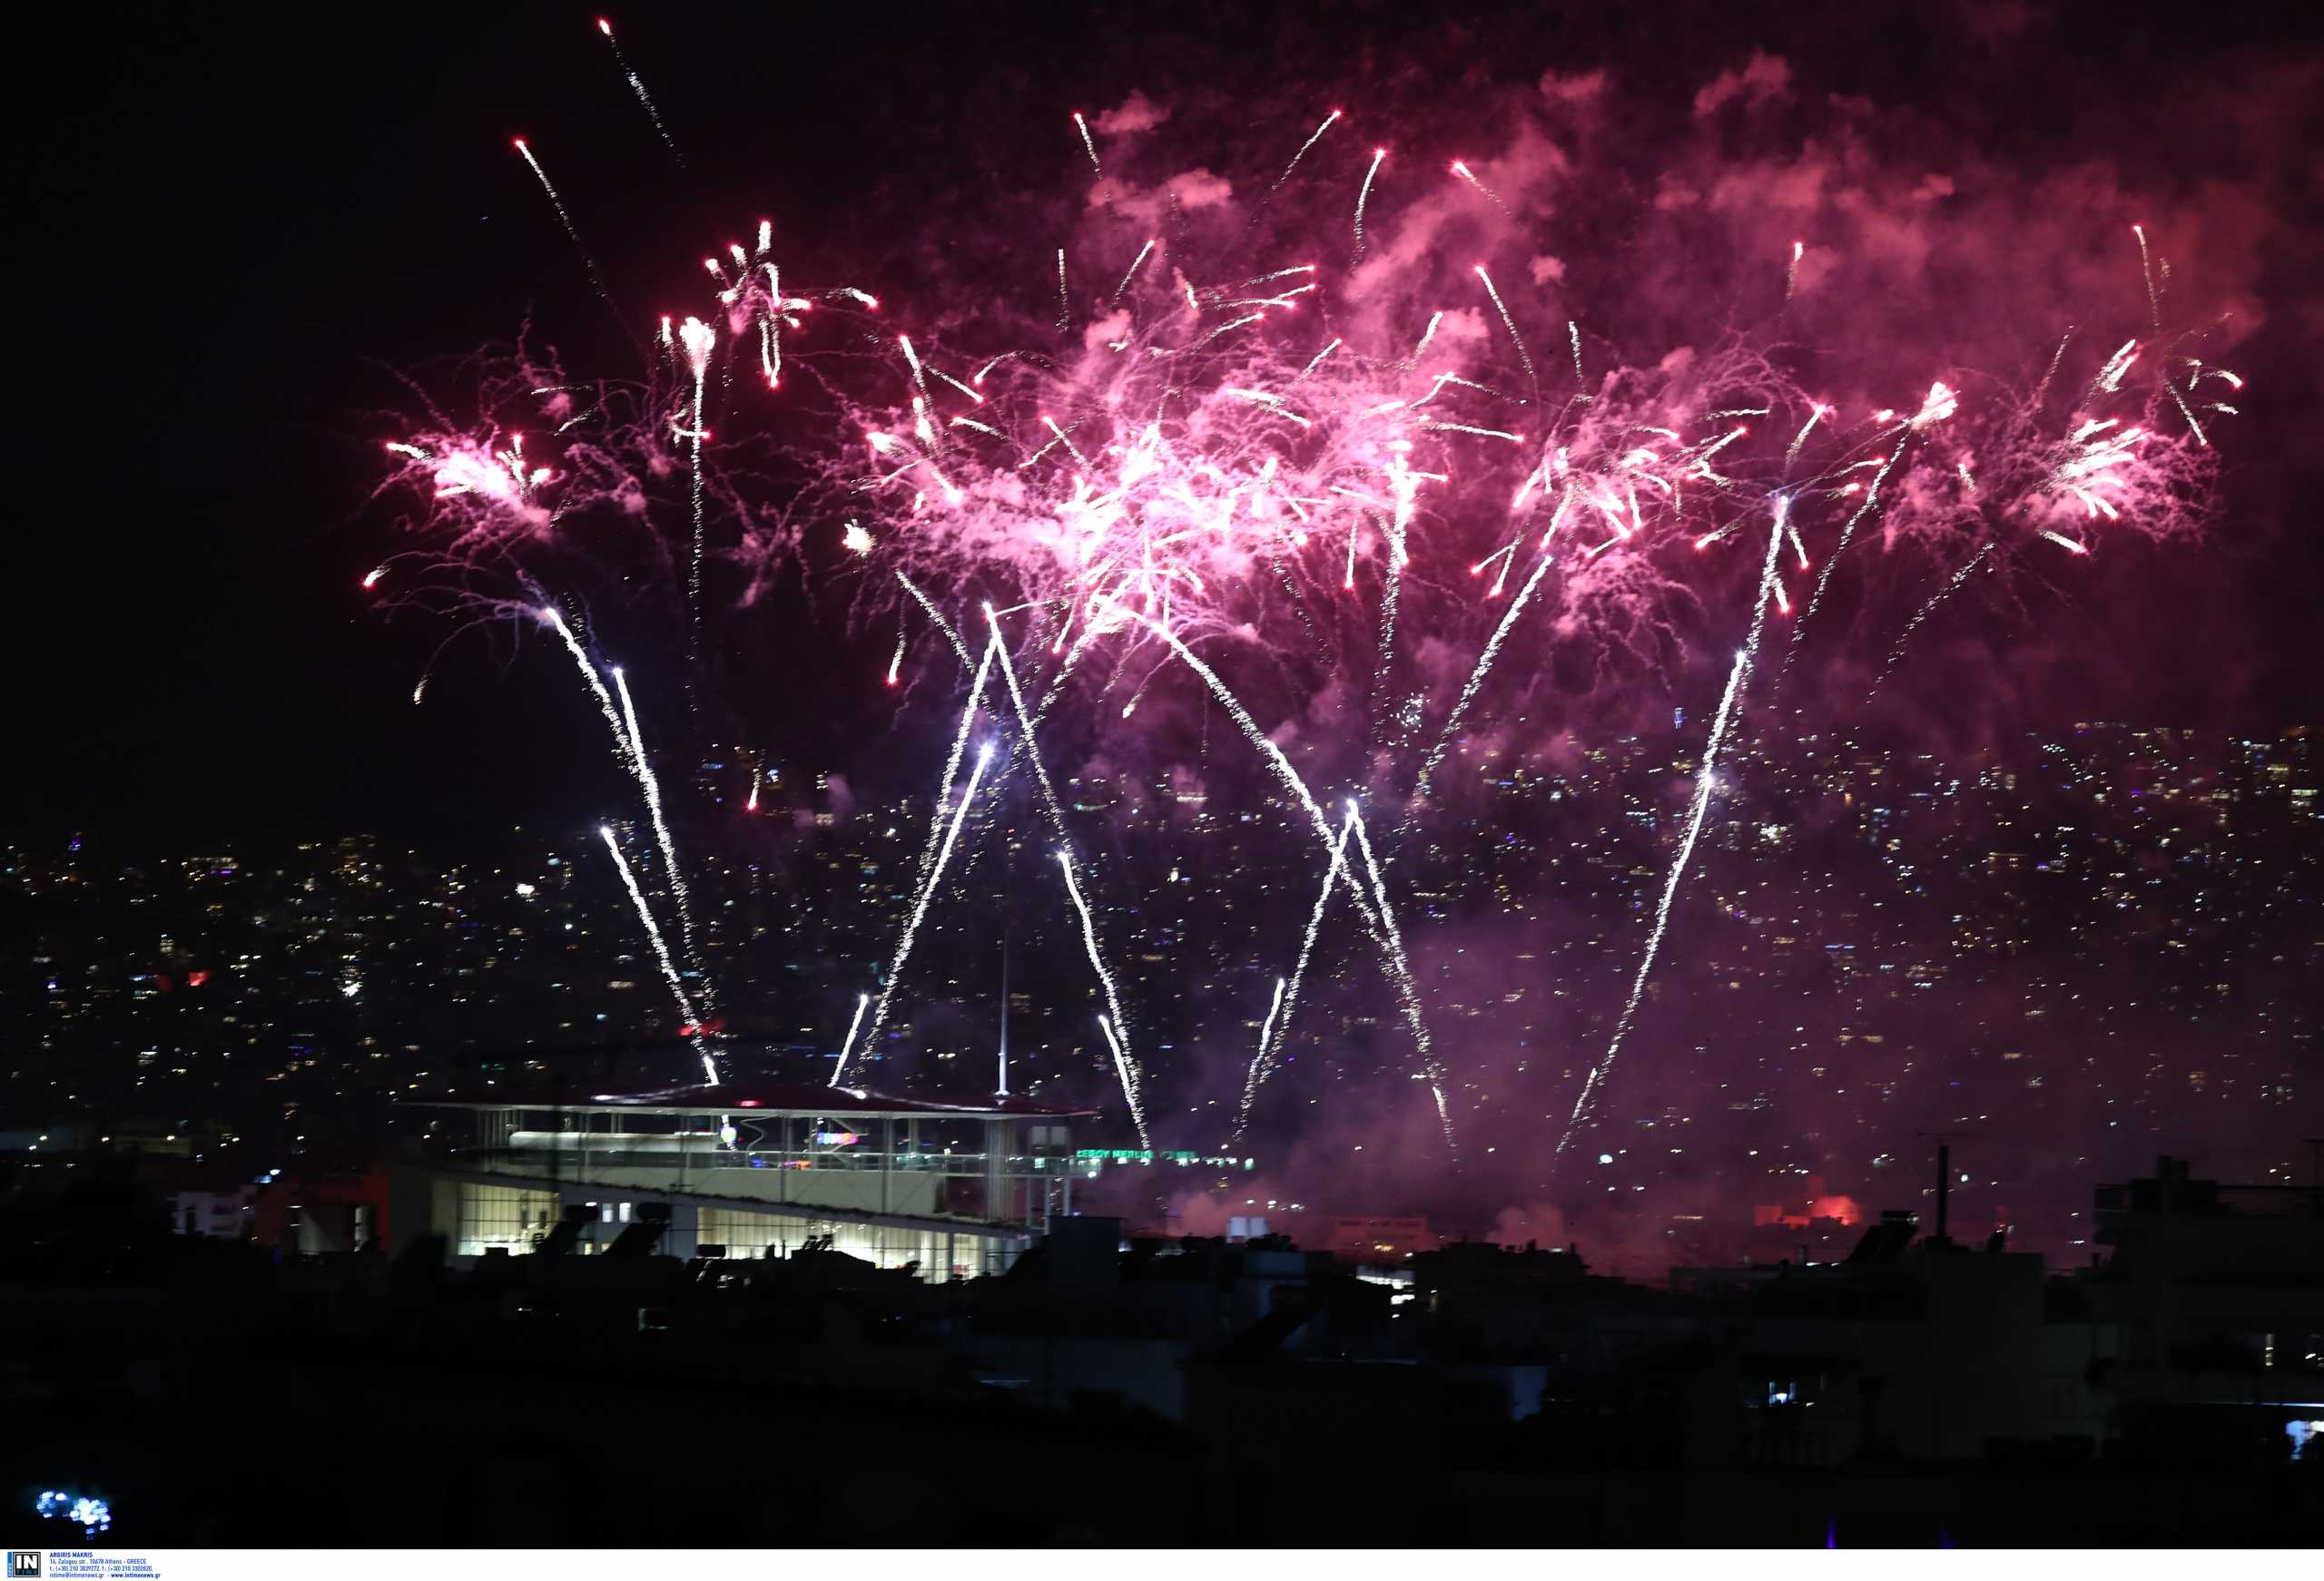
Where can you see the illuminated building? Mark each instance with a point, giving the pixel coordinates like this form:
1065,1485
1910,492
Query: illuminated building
955,1189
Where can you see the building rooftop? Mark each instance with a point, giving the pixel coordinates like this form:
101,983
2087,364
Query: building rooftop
779,1097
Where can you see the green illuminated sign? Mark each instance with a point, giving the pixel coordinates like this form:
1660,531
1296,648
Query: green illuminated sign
1135,1155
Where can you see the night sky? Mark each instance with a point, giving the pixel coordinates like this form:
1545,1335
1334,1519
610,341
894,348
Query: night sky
236,232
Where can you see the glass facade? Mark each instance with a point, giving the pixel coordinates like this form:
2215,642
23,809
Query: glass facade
504,1216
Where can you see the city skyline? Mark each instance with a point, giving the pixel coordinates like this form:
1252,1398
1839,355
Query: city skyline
2119,1010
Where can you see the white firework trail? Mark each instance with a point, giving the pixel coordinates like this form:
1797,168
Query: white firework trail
1129,1078
1083,126
1426,336
1090,632
942,625
629,750
1131,273
1814,415
927,890
638,87
623,752
1026,743
861,1000
1406,989
1266,1033
1703,787
647,781
1705,783
1312,139
1364,196
1026,722
697,338
588,262
1511,325
1476,679
661,953
1263,1062
1470,176
1939,596
1847,532
1390,945
932,857
1267,749
2146,268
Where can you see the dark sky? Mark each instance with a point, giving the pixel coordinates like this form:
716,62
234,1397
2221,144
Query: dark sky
232,229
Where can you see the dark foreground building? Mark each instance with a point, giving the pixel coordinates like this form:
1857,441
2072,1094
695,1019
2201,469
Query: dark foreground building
1151,1392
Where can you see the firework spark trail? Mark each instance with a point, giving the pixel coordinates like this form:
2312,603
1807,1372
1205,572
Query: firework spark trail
638,87
1468,175
1662,913
933,858
1258,738
661,954
1030,746
2146,270
1362,197
596,282
1026,741
1573,334
1312,139
1407,990
927,892
1815,414
629,750
1391,596
1705,783
1847,532
1064,300
1771,584
1262,1061
942,625
1129,1077
1426,336
1939,596
1090,632
1391,947
1131,273
1515,339
896,660
1469,692
1266,1033
1084,128
651,784
857,1021
2050,374
624,752
1122,1064
697,338
1791,275
1403,487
